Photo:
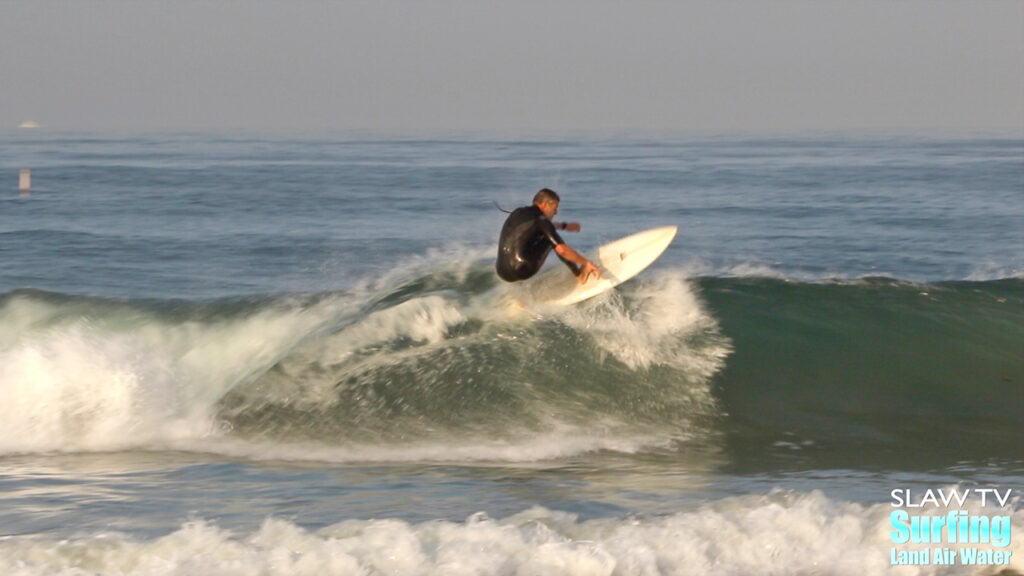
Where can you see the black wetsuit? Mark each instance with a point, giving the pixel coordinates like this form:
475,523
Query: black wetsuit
526,239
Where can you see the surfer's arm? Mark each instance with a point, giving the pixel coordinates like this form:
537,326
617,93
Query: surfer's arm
587,268
567,226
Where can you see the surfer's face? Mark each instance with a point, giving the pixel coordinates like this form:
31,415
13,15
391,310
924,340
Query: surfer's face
549,209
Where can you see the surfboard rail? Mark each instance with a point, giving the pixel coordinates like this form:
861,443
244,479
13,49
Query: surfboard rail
619,261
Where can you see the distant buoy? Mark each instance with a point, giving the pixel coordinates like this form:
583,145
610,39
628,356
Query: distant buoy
25,182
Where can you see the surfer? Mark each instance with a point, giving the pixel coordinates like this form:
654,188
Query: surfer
529,235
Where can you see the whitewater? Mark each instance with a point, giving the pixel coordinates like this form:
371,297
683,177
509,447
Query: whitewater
234,355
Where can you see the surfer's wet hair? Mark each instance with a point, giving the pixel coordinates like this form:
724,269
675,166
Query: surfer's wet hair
546,195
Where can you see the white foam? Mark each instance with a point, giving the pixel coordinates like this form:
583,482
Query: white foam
426,319
81,384
561,442
755,270
776,533
662,322
313,369
71,389
994,271
745,269
454,261
128,379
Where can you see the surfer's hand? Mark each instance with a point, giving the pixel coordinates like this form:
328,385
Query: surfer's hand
589,270
571,227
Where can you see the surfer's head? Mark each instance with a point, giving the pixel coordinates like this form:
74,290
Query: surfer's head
547,200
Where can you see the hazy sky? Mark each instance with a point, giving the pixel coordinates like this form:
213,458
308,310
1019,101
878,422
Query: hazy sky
487,67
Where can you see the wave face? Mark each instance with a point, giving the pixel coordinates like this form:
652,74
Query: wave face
434,368
428,363
913,371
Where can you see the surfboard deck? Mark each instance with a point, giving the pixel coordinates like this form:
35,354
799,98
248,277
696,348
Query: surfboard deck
619,261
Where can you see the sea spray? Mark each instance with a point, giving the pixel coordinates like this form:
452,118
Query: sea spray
660,321
444,361
84,374
76,389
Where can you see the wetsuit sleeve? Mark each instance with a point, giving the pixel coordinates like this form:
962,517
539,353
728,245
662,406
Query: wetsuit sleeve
549,231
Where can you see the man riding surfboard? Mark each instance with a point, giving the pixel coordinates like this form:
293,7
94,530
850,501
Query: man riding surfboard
529,234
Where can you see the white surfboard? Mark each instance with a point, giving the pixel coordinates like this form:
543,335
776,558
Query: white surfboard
619,261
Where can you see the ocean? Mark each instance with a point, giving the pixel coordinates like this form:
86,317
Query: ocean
239,355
